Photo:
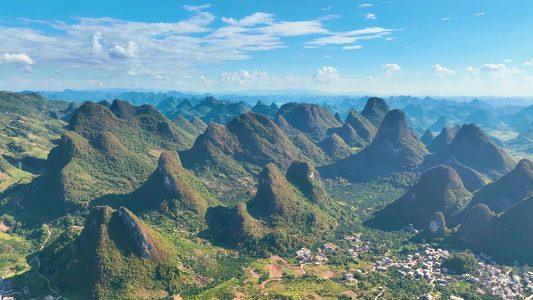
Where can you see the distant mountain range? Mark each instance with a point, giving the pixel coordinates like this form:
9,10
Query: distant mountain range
177,197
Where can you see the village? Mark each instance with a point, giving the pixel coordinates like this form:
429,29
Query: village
427,265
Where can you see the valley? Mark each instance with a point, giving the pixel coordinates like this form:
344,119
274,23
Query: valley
200,198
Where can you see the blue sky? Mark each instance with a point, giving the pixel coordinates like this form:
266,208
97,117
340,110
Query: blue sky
417,47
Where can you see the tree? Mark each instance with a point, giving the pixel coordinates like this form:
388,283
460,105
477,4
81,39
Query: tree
461,263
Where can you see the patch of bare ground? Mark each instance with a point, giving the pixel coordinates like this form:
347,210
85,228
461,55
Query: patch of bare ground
297,270
254,274
239,296
277,258
3,227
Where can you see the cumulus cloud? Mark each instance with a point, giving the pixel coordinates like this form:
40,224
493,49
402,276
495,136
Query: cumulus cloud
369,16
121,52
243,76
529,63
390,68
163,51
441,71
494,70
19,58
326,75
492,67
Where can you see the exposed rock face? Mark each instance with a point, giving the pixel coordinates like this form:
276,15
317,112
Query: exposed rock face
181,183
141,240
375,110
437,224
307,179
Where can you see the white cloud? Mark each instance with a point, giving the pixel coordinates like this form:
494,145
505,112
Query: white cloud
351,37
472,70
326,75
297,28
391,38
529,63
20,58
369,16
97,49
197,8
390,68
244,77
231,21
113,51
327,8
352,47
447,19
441,71
480,14
28,69
507,60
365,5
494,70
492,67
121,52
256,18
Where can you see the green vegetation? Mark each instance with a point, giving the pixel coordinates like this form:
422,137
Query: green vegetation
123,203
311,119
28,125
461,263
472,147
375,110
440,189
13,250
